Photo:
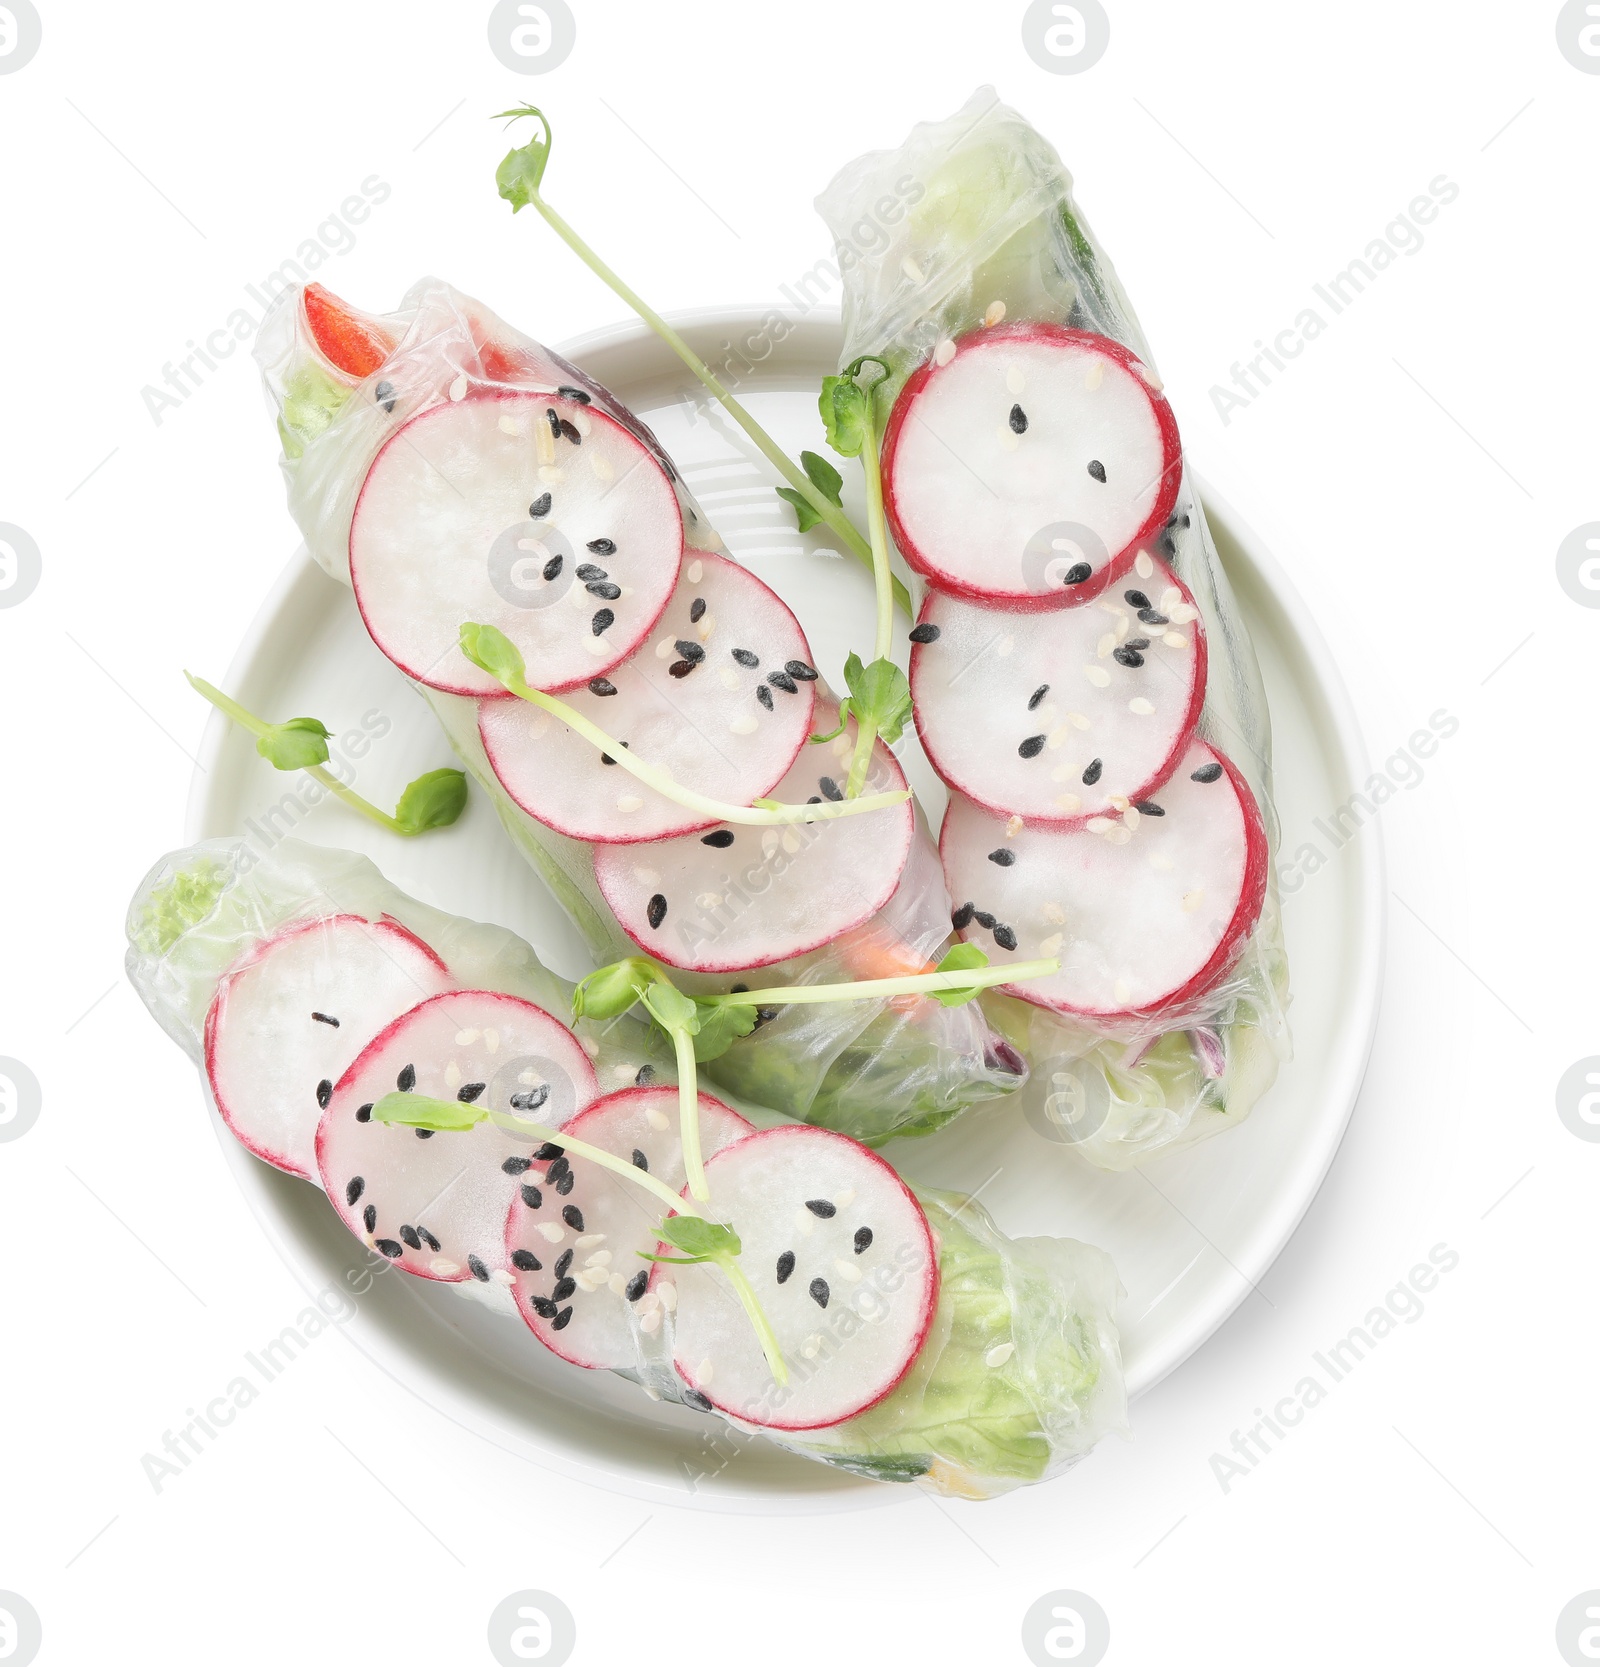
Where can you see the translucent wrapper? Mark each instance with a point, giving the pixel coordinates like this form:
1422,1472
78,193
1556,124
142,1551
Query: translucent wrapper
199,910
992,231
869,1069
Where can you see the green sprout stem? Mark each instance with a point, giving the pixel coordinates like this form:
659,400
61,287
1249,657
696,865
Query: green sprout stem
874,989
763,813
796,477
745,1292
866,732
694,1169
324,778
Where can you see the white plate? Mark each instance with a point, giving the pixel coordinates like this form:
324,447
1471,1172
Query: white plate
1190,1235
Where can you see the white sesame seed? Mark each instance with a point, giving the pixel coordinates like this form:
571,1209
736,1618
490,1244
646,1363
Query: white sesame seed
744,724
550,475
1015,381
849,1272
1142,564
770,840
503,1276
617,1284
622,1072
630,802
843,746
707,625
1140,707
452,1076
1122,627
458,388
666,648
1130,818
1054,913
529,1078
596,646
703,1372
590,1279
587,1241
697,571
912,270
650,1303
1101,824
1182,614
491,1040
994,312
1193,899
1174,639
656,1119
1008,440
1121,991
1151,379
1105,645
465,1038
999,1354
509,425
803,1222
590,1046
552,1232
668,1293
1098,675
1058,737
1048,946
1068,802
578,600
601,466
1117,801
646,876
843,1200
1077,720
728,678
582,422
944,352
444,1267
1013,827
599,1259
1119,835
650,1323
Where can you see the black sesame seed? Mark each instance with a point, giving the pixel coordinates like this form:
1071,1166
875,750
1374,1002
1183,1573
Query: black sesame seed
364,1113
821,1207
588,571
691,651
602,622
570,432
1002,856
526,1260
1018,420
573,1216
562,1289
718,841
1127,655
392,1248
798,668
1005,937
815,799
479,1271
424,1134
354,1189
577,395
645,1075
370,1217
746,658
407,1080
552,568
384,395
563,1267
830,789
962,918
427,1238
764,695
604,589
550,1149
1168,545
1140,643
1077,573
766,1014
1038,695
555,422
925,633
819,1292
566,1184
602,686
560,1321
984,919
1206,772
782,680
1093,771
469,1091
680,668
532,1197
738,989
863,1239
517,1166
1098,470
543,1307
697,610
557,1170
540,507
693,1398
635,1288
602,546
325,1019
1032,747
640,1161
409,1234
1148,807
785,1265
1136,599
1150,616
532,1100
655,911
324,1093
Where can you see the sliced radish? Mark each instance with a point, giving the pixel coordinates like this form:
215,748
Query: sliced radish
1146,907
531,512
1050,715
436,1203
293,1012
1030,465
578,1275
740,897
721,695
843,1261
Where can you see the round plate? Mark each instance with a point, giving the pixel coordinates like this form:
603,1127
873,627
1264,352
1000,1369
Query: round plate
1191,1234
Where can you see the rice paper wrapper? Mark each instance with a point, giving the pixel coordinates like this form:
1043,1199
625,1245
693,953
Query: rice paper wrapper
870,1069
992,231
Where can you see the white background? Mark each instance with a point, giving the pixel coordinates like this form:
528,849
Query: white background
1415,470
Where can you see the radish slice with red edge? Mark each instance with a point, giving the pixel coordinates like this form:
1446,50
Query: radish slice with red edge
530,512
843,1262
576,1285
721,695
1030,465
293,1012
741,897
435,1203
1050,715
1146,909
